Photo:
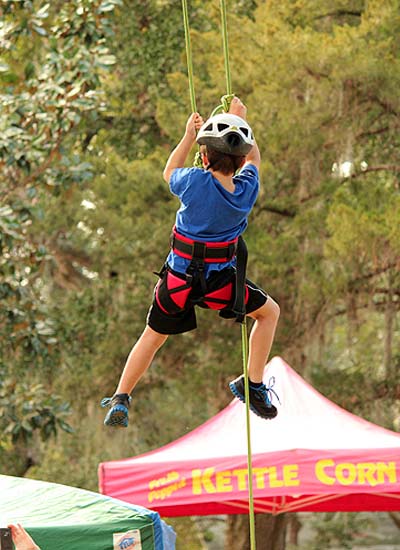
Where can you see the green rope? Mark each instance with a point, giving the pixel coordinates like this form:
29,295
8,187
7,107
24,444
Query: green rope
245,355
224,27
225,99
189,56
225,104
197,162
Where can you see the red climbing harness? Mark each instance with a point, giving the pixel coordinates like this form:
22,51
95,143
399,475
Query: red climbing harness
175,290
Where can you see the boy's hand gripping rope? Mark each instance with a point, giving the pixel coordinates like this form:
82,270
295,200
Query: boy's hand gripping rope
225,99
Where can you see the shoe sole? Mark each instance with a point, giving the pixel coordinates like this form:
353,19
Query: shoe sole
118,417
241,398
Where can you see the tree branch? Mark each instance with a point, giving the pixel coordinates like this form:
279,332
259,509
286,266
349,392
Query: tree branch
377,305
396,292
286,212
379,168
340,13
385,105
378,271
316,75
373,132
43,167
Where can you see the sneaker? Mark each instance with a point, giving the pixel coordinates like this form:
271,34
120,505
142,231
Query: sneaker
260,402
118,414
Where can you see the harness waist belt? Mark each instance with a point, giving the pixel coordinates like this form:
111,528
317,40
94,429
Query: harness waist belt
208,252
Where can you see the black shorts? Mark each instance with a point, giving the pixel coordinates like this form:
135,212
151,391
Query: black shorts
173,307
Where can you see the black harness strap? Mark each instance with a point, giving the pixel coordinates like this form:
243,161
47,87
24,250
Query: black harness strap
197,252
202,251
239,306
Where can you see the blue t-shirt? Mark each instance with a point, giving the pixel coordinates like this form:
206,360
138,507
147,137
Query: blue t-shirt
208,211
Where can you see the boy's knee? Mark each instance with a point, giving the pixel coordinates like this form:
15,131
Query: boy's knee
269,312
153,338
274,309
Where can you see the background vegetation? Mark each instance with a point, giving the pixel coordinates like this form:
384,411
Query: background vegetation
94,95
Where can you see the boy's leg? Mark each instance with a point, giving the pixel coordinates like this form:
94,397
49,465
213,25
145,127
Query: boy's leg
260,343
162,320
136,365
261,338
140,358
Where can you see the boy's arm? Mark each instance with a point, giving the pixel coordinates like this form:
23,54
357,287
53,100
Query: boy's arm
254,157
239,109
179,155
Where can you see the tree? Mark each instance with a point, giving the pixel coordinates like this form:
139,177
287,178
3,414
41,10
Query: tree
321,86
45,96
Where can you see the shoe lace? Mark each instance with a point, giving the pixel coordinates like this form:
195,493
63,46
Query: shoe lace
268,392
108,401
105,401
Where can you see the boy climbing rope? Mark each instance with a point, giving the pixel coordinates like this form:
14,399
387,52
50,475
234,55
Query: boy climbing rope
201,267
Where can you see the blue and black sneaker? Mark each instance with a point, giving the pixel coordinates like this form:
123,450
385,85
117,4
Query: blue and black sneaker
118,414
260,398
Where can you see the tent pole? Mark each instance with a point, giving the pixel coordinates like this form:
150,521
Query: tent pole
245,354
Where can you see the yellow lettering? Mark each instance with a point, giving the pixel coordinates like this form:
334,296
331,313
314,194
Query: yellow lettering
366,473
388,469
260,477
223,482
241,476
290,475
320,471
350,477
165,492
203,481
273,478
171,476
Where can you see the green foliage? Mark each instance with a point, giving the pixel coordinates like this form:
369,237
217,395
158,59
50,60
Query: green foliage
45,97
94,98
362,224
32,411
338,529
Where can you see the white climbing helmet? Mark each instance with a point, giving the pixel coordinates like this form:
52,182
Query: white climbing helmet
227,133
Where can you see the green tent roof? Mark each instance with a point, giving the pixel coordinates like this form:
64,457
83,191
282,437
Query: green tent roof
66,518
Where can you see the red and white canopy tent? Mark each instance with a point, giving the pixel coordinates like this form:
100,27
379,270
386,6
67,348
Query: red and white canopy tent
314,456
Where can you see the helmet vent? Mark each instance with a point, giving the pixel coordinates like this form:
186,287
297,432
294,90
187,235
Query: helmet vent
233,139
245,131
221,127
208,128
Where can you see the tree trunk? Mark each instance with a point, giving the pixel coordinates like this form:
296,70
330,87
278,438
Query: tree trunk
389,324
294,526
270,532
395,516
